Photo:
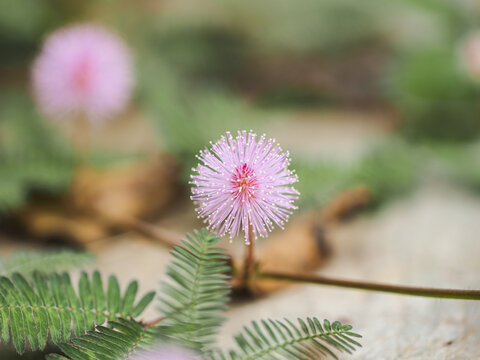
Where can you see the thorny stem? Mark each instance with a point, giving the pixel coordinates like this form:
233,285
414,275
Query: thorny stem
371,286
249,259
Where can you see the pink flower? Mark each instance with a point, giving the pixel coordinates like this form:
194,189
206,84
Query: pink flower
244,182
166,353
83,69
470,54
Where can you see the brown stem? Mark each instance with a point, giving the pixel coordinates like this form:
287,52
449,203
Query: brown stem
381,287
154,322
81,147
164,236
249,259
81,138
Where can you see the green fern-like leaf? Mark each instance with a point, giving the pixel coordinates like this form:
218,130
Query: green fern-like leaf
26,262
197,292
119,340
274,339
49,308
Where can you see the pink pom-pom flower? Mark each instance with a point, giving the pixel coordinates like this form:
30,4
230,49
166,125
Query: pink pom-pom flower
243,183
470,54
166,353
83,69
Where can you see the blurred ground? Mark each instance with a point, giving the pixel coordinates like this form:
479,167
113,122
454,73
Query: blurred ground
403,244
429,238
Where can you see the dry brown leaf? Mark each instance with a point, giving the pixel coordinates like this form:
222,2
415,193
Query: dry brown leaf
134,190
101,200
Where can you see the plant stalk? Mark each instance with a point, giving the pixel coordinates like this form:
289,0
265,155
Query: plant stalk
81,149
459,294
249,260
81,139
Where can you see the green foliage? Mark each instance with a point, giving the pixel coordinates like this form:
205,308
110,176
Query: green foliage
49,308
459,163
118,340
197,293
22,30
204,53
319,181
436,99
191,303
184,119
453,17
293,27
388,170
32,157
26,262
428,82
285,340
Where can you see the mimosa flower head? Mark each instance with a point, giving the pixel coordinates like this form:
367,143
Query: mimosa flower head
244,182
82,69
470,54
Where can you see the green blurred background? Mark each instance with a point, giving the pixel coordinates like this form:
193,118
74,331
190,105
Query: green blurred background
311,67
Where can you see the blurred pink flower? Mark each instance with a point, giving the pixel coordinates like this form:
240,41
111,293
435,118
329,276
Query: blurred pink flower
166,353
470,54
83,69
241,182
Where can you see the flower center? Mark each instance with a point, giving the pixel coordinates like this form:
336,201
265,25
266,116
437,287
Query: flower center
82,76
244,183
